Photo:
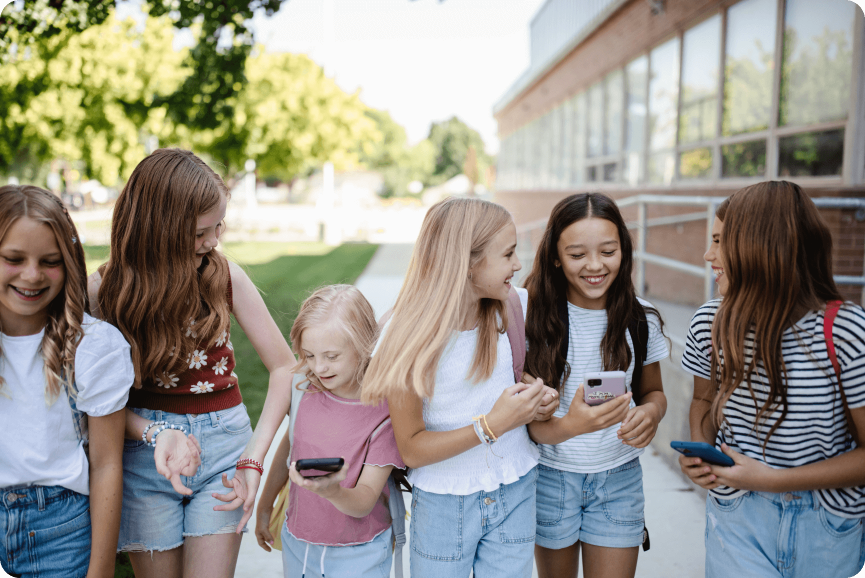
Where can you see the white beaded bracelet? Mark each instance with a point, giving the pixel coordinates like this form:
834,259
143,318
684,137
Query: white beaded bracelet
149,426
162,428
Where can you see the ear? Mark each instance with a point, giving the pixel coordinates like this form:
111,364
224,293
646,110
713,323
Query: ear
557,263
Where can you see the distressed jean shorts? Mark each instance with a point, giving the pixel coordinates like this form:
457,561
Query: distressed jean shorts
154,516
44,531
787,535
602,509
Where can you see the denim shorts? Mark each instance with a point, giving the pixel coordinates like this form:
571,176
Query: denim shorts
789,535
154,516
490,532
370,560
45,532
602,509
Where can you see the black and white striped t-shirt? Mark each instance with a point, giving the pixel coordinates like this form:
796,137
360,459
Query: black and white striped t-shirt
815,428
601,450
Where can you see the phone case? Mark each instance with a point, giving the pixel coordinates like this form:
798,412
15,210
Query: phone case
318,466
602,386
703,451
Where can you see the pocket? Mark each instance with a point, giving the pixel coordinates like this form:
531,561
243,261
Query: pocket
551,496
68,530
437,525
622,494
234,421
836,526
519,506
726,505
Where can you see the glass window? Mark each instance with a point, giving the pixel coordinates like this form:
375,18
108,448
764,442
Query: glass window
701,51
746,159
567,142
556,147
610,172
812,154
636,74
596,120
579,127
613,114
662,167
663,95
592,174
695,164
818,61
749,66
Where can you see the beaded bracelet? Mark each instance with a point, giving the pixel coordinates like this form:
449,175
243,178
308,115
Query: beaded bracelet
147,429
249,464
489,429
251,467
479,430
161,429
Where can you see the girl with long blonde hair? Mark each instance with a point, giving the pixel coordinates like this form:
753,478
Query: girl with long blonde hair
64,379
171,294
779,386
445,366
339,520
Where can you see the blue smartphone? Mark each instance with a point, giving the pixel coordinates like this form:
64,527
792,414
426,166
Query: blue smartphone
703,451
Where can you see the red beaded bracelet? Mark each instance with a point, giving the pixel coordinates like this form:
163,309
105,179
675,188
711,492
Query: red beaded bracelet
250,461
251,467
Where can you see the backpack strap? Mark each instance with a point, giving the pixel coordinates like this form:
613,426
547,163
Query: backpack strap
516,333
396,505
296,395
829,315
639,330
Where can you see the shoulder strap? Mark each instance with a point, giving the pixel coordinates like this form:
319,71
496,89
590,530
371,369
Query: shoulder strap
639,330
296,395
229,293
831,312
516,333
396,505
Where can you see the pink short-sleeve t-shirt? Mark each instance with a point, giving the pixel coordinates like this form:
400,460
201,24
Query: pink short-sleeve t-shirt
328,426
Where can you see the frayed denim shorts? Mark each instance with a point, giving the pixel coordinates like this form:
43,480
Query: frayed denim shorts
154,516
602,509
788,535
44,531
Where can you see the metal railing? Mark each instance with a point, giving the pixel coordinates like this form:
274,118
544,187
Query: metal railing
528,231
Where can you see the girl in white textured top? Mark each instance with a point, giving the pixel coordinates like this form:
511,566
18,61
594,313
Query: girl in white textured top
446,368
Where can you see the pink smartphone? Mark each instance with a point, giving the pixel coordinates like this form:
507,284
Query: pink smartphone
603,386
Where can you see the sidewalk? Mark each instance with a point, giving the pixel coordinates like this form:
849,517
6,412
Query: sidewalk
675,514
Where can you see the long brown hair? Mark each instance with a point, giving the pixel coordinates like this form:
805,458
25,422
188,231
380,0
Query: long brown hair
548,288
151,289
430,306
777,255
63,331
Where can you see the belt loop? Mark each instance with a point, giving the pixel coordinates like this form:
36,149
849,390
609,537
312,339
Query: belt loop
40,498
214,419
815,499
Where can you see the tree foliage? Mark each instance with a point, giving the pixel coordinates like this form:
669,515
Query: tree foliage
453,141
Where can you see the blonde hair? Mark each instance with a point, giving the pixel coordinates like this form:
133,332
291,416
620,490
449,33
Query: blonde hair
151,289
63,331
430,307
356,318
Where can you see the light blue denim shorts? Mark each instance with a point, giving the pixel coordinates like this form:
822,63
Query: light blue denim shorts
154,516
45,532
370,560
602,509
789,535
490,532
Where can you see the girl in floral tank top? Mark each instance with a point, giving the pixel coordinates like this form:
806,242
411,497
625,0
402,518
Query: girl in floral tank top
172,294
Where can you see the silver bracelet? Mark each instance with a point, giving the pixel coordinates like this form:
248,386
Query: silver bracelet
149,426
161,429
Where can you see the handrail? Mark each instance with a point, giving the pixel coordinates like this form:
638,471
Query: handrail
526,247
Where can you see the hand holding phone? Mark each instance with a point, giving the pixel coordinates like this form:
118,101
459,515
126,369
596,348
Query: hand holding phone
602,386
703,451
318,467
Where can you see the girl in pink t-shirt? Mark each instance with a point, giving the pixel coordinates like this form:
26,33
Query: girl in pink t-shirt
338,524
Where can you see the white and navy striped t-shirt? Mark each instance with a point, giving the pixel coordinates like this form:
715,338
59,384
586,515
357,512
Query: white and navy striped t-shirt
601,450
815,428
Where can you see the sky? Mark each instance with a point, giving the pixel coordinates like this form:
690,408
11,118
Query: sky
423,60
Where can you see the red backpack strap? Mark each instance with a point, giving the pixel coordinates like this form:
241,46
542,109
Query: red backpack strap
229,294
829,315
516,333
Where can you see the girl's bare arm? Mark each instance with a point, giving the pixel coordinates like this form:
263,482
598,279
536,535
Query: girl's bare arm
106,490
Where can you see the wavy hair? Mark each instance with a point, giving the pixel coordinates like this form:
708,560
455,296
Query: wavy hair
151,289
548,287
777,254
63,330
356,318
431,306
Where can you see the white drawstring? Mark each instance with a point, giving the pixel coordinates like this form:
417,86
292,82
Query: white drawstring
322,561
305,554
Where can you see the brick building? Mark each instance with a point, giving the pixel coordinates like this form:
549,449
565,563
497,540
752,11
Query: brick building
689,98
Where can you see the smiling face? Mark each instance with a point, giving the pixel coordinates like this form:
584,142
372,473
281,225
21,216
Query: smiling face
590,255
715,256
208,229
32,274
491,277
330,356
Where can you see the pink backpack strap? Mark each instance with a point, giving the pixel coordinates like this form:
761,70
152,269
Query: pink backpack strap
829,315
516,333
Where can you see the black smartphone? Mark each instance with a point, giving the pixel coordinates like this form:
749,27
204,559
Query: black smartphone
703,451
319,466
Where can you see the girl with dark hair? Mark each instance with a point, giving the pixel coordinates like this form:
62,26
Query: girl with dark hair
64,381
779,386
584,316
172,294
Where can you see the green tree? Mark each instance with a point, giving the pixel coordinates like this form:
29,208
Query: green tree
398,163
452,140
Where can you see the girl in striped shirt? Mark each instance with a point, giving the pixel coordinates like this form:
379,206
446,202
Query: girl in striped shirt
767,394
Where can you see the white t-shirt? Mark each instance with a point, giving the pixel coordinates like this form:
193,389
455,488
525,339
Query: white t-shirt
601,450
456,400
39,445
815,427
